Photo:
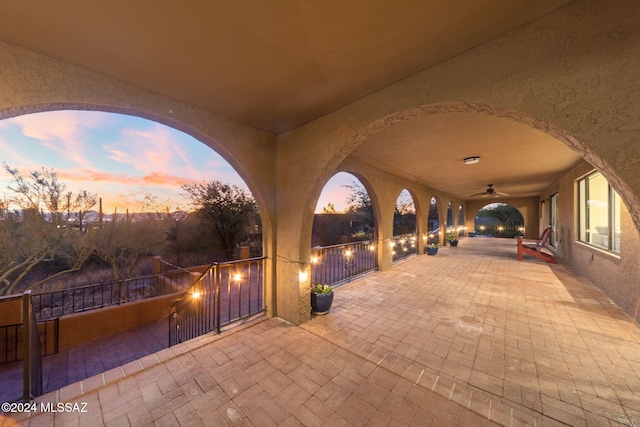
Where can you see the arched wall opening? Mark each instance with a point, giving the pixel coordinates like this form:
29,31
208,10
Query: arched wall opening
343,235
215,134
528,206
126,168
562,136
344,212
499,220
405,241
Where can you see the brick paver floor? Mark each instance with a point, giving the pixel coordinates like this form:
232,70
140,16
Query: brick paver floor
88,359
468,337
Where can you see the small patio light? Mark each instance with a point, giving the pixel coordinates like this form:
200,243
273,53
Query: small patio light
392,244
348,253
303,276
237,277
372,248
314,260
195,295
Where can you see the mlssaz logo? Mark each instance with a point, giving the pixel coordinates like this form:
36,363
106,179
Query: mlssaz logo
63,407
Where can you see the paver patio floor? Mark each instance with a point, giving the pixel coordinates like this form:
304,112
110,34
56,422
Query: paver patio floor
468,337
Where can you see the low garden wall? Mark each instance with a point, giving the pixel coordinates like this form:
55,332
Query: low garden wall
79,328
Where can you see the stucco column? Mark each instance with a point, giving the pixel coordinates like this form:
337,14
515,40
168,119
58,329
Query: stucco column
421,229
292,263
442,220
385,236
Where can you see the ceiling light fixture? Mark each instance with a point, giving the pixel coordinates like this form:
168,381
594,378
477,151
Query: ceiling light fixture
471,160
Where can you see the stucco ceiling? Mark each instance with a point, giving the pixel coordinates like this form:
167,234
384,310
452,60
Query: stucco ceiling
276,65
518,160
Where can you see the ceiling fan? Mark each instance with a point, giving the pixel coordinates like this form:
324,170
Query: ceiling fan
490,192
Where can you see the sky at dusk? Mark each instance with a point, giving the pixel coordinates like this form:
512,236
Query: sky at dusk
121,158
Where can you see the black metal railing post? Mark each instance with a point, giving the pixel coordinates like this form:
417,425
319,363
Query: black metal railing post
216,283
32,362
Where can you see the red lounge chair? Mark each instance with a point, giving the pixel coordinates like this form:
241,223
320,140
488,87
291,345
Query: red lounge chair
536,249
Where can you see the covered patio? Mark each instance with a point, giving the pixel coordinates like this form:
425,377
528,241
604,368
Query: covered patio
471,336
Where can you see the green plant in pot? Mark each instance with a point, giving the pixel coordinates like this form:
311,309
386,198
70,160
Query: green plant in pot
321,298
452,236
432,248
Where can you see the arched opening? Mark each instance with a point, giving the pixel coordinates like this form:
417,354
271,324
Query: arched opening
118,207
499,220
113,170
404,227
343,232
343,213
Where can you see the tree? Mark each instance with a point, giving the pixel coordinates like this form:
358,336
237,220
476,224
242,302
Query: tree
227,211
153,208
127,239
358,201
329,209
505,214
35,226
404,216
82,203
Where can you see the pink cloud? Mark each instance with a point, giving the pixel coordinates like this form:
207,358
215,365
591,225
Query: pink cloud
155,178
148,150
64,132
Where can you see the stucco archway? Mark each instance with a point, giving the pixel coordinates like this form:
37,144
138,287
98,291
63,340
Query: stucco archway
214,144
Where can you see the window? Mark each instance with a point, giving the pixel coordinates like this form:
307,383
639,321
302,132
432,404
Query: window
599,213
553,212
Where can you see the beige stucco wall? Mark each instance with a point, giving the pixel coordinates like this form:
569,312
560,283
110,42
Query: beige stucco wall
572,74
616,275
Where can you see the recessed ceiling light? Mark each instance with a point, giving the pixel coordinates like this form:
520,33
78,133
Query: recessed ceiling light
471,160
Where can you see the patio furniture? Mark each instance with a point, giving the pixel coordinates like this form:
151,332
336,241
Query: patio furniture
536,248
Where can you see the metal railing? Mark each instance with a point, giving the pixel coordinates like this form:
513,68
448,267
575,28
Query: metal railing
404,245
76,300
32,370
333,265
225,293
507,231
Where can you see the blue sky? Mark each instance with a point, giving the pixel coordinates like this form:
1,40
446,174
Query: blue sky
121,158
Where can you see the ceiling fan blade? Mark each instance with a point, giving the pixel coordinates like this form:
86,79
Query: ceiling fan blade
483,194
490,192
